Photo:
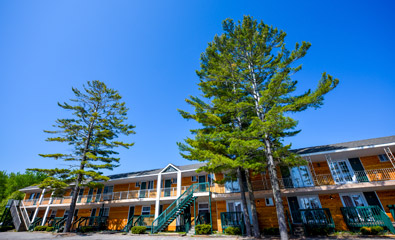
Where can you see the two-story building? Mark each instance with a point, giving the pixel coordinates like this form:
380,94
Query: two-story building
344,185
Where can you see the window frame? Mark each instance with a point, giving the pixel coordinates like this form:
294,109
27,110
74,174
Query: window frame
142,210
271,202
383,156
192,177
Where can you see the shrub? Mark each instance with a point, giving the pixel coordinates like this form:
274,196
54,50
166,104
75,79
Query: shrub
203,229
375,230
138,229
233,231
315,231
85,229
49,229
271,231
5,228
40,228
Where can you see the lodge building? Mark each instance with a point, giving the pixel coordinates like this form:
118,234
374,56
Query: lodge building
344,185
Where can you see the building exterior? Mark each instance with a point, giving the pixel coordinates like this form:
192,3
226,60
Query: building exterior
344,185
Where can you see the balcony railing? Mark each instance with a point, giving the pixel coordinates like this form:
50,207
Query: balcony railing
373,175
135,194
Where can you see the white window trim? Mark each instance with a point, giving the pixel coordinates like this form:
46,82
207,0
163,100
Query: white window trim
308,172
385,156
228,201
137,184
354,178
199,208
195,179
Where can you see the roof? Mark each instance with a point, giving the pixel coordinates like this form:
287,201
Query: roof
345,145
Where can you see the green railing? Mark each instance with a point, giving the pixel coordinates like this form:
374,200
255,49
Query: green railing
129,224
392,210
6,218
35,223
357,217
289,221
144,220
203,218
59,223
96,222
316,218
180,202
232,219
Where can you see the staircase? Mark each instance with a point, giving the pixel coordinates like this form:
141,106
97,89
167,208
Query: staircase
17,219
191,231
178,207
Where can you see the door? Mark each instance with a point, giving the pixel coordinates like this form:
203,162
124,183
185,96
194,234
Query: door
353,200
80,193
131,212
107,193
92,218
286,177
89,197
167,187
36,198
358,169
202,187
294,207
372,199
98,194
311,217
342,172
143,190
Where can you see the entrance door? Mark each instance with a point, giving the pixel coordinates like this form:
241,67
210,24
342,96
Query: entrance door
301,177
294,207
143,188
202,187
359,171
342,172
98,194
92,218
353,200
167,187
131,212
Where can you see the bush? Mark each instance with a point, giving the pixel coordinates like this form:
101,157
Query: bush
271,231
138,229
5,228
49,229
203,229
85,229
375,230
233,231
40,228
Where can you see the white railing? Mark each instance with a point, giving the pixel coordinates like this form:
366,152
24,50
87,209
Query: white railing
24,214
15,214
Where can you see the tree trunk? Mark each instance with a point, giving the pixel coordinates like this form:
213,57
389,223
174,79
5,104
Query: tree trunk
72,205
282,223
244,203
255,222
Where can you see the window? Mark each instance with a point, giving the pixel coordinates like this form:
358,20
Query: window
137,184
203,208
383,158
174,180
32,196
342,172
146,210
150,184
353,200
269,201
104,212
309,202
301,177
193,179
232,186
107,193
234,206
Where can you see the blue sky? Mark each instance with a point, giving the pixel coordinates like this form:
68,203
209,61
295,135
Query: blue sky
149,51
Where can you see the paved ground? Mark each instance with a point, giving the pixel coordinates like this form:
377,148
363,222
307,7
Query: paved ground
116,236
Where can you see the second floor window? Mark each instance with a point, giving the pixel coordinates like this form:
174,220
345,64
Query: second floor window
232,186
383,158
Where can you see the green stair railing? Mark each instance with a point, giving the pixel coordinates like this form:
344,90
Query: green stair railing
129,224
6,218
35,223
316,218
144,220
357,217
171,212
232,219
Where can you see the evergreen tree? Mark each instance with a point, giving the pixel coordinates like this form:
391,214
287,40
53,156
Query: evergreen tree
252,57
98,119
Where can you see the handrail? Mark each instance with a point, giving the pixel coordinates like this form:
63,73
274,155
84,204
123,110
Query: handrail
180,201
59,223
129,224
24,214
15,215
36,222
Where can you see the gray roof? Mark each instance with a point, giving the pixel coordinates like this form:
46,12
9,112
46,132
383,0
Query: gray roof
345,145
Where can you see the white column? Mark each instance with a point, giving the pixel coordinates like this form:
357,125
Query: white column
46,211
179,183
158,190
38,205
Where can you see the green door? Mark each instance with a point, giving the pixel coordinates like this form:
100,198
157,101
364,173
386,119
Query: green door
143,190
294,207
359,171
167,187
202,187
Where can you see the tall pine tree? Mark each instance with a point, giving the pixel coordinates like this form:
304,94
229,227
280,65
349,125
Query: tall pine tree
99,117
251,56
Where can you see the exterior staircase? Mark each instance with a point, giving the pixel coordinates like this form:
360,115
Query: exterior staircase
191,231
177,207
20,218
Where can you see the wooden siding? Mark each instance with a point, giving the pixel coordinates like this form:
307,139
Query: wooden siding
387,198
334,206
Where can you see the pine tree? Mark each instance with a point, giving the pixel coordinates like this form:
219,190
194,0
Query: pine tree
252,57
98,118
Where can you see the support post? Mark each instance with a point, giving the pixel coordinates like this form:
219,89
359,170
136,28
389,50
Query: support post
178,220
38,205
209,201
194,213
47,210
158,190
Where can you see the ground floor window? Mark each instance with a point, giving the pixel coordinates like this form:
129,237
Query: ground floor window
146,210
203,208
104,212
234,206
353,200
309,202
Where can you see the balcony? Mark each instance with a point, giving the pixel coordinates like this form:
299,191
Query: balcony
373,175
114,196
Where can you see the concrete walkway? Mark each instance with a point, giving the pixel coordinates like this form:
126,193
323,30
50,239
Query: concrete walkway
116,236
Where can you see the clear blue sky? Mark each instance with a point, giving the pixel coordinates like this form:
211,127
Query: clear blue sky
149,51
